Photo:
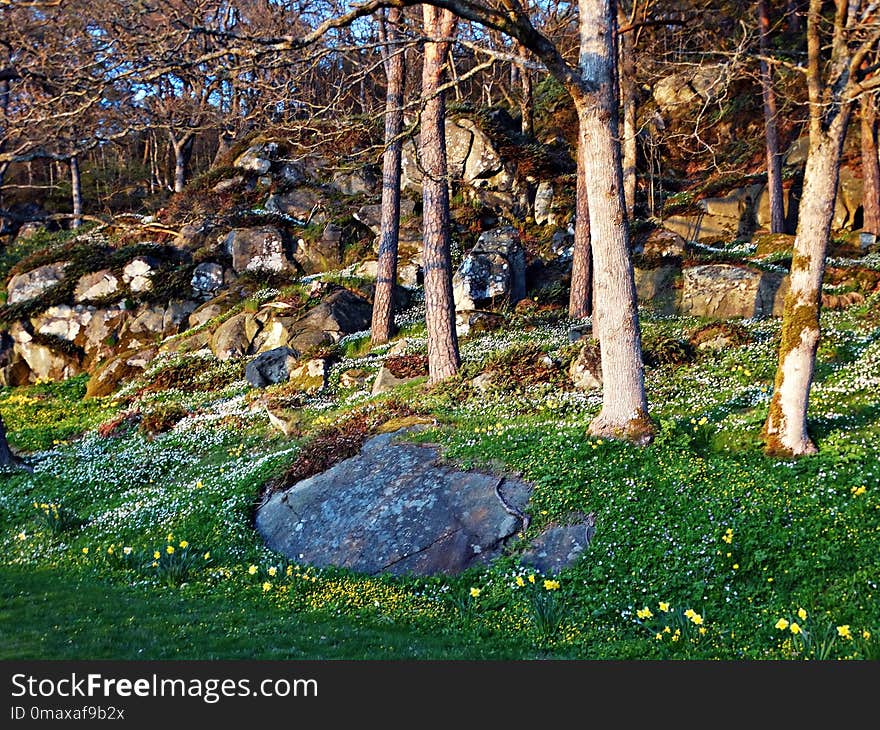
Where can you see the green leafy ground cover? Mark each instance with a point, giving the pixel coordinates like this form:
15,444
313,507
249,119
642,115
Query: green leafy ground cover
128,542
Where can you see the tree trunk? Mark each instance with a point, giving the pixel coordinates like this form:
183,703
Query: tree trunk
771,133
624,411
182,153
580,296
443,358
386,269
785,432
628,106
76,192
526,100
870,165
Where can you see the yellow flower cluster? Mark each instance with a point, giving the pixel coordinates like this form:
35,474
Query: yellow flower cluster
728,536
644,613
694,617
551,585
858,491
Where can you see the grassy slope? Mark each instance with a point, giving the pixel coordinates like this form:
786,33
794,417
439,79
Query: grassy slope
700,520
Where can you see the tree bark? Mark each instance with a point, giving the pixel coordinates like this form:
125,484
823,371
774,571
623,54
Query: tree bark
870,165
785,431
76,192
182,153
580,297
771,132
624,411
628,107
443,357
526,100
386,269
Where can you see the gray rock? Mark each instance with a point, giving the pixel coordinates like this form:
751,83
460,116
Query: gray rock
322,254
62,321
256,249
543,203
207,278
494,269
586,369
230,183
44,363
363,181
340,313
234,336
656,286
271,367
371,215
392,508
305,204
31,284
661,242
310,376
722,291
559,546
257,159
386,380
138,273
97,285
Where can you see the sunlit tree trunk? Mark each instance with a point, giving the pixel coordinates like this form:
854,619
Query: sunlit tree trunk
443,357
624,411
76,192
785,432
386,271
870,165
580,296
771,133
628,107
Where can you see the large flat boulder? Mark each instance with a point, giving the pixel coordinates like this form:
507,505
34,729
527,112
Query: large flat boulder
341,313
393,508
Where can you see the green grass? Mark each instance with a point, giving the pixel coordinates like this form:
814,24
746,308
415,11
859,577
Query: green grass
728,540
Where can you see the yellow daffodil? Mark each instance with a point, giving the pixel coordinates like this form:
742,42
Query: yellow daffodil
551,585
644,613
866,634
728,536
252,570
199,484
702,630
110,550
858,491
843,632
736,566
532,578
85,551
207,556
272,570
156,555
664,606
475,592
169,537
802,614
266,586
697,619
184,544
794,628
289,571
519,581
170,549
658,636
782,624
22,536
